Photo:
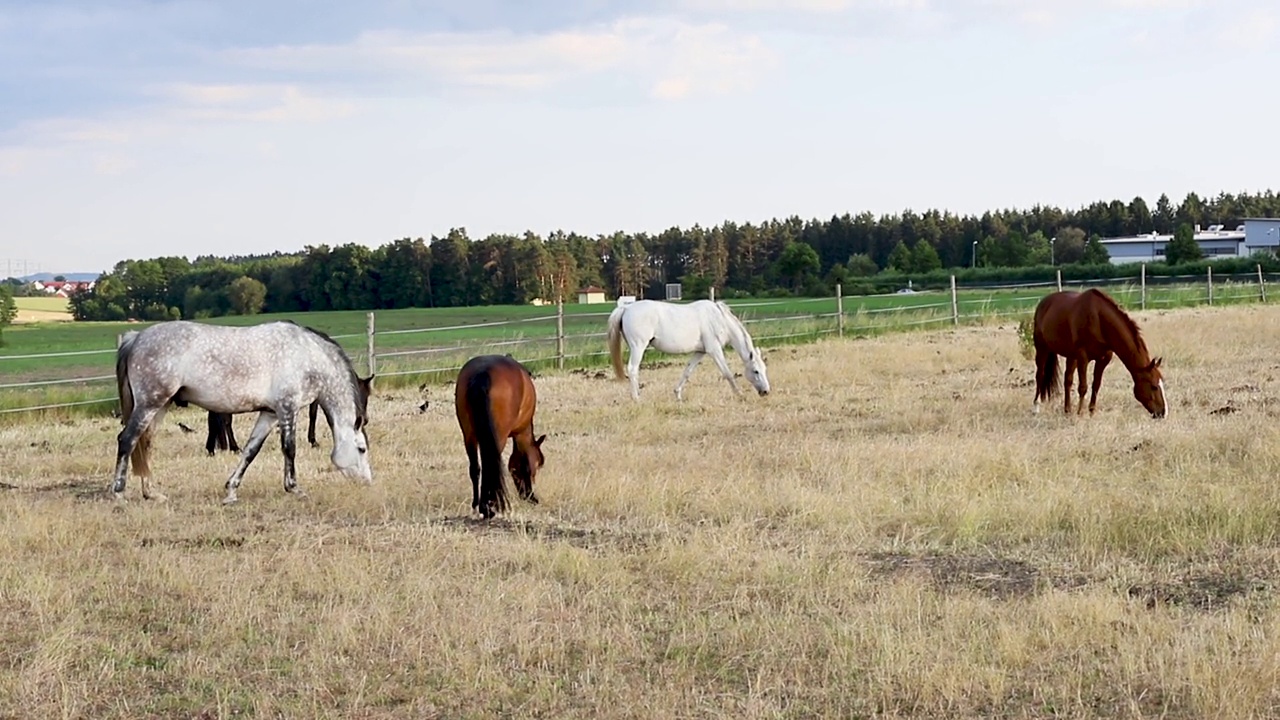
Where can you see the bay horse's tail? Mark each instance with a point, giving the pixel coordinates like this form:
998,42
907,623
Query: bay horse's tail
615,342
142,450
492,482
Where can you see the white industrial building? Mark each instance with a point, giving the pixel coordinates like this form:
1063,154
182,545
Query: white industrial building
1255,235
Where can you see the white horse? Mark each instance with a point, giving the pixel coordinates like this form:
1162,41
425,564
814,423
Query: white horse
702,327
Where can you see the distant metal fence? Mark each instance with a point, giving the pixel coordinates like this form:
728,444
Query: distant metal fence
555,349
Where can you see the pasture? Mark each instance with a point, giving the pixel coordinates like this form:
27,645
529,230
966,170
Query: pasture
889,533
417,344
41,310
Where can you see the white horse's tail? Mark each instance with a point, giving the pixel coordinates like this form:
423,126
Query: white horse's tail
615,342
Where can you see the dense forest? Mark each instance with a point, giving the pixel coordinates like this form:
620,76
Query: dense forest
862,252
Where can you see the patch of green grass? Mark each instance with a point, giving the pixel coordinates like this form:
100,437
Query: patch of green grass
428,344
43,303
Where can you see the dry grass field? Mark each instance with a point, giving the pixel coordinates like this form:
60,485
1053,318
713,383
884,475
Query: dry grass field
42,309
891,533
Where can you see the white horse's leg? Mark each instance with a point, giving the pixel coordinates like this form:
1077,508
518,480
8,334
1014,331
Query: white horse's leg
717,353
697,358
633,366
261,430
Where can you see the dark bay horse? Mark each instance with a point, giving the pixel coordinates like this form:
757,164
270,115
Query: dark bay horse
273,369
1090,326
495,399
222,435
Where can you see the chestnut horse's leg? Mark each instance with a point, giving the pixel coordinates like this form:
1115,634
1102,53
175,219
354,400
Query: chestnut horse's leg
1082,370
1098,367
1066,383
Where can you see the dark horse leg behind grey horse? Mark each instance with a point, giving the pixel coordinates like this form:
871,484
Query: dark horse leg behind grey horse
222,435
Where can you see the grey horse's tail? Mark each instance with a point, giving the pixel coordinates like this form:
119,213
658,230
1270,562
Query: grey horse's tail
141,451
615,342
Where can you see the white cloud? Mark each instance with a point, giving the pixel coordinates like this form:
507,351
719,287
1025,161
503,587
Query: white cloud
659,53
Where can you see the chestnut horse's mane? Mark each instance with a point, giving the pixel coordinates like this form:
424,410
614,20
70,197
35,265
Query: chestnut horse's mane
1124,316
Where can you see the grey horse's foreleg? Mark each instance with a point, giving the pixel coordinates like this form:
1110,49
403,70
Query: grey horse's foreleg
688,371
717,354
289,448
261,429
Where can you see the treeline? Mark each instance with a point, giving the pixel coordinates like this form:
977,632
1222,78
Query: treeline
791,256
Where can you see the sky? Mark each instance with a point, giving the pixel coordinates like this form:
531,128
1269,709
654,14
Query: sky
141,128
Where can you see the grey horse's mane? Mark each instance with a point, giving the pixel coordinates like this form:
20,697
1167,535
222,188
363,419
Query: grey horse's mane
336,349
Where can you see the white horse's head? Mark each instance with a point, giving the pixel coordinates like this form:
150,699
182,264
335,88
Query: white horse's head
757,374
351,453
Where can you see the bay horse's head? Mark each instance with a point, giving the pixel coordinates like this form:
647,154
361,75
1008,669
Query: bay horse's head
1148,388
524,467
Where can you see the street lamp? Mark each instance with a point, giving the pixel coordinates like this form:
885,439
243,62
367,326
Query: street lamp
974,262
1052,240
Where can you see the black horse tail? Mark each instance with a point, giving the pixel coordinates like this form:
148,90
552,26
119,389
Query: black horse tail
1047,383
493,488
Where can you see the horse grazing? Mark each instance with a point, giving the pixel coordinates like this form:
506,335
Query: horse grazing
495,399
1090,326
273,368
223,437
702,327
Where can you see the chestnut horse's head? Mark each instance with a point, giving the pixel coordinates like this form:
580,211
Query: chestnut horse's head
1148,388
524,467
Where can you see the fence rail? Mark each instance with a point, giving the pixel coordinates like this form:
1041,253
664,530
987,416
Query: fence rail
862,315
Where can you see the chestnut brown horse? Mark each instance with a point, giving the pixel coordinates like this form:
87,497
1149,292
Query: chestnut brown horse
1090,326
495,399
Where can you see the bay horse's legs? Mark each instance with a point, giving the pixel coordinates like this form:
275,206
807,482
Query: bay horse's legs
1082,370
1067,375
261,429
633,365
311,424
473,468
717,354
1098,366
688,370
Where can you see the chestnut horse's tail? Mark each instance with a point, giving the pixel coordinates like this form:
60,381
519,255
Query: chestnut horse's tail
493,488
142,450
1047,383
615,342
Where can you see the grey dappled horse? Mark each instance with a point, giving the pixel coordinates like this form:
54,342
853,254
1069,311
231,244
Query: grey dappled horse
274,369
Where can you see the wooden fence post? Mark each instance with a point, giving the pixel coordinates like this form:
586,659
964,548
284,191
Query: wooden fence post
711,293
1262,285
1210,284
369,331
840,311
1144,286
955,306
560,332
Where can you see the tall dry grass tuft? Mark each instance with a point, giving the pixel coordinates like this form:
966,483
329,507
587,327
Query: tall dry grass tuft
890,533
